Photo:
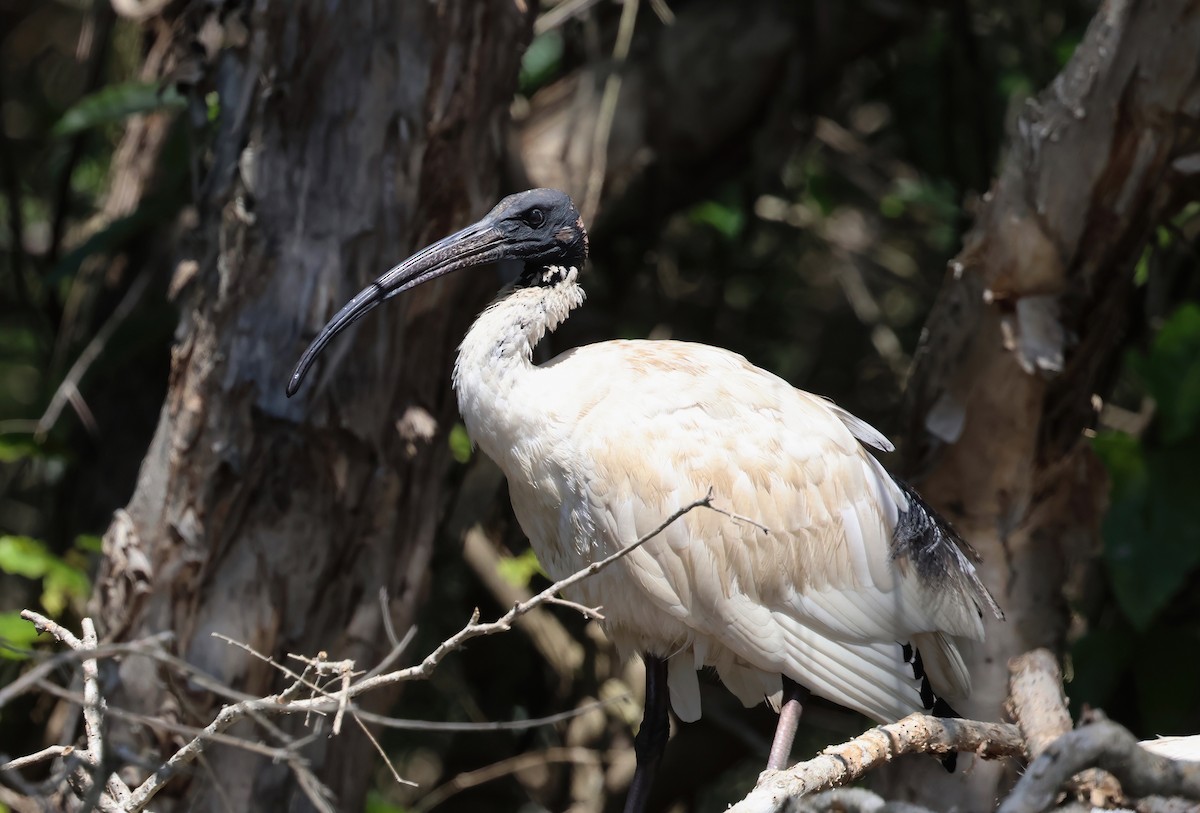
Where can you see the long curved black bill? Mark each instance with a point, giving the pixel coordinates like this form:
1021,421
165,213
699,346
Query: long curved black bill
474,245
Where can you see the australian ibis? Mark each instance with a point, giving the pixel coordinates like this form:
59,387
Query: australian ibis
843,583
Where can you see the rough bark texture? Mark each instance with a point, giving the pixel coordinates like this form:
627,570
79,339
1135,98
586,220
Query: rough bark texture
1029,327
348,136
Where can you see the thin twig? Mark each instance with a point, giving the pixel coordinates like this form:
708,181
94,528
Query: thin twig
503,725
740,518
29,679
594,613
503,768
607,112
343,698
474,629
95,38
160,724
395,774
663,12
398,648
385,611
70,382
49,752
560,14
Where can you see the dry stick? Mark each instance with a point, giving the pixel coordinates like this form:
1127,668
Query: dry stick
840,764
1109,746
229,715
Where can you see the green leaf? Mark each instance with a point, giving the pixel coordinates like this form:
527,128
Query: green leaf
89,543
115,103
460,443
541,61
1151,534
519,570
728,220
64,585
16,634
376,803
1171,373
24,556
18,447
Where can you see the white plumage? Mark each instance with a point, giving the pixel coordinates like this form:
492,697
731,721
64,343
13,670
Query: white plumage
603,442
838,578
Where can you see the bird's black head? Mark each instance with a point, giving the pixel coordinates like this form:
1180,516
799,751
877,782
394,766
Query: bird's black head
540,227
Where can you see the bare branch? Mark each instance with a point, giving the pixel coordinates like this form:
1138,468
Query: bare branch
1036,700
840,764
117,795
1105,745
49,752
105,792
474,629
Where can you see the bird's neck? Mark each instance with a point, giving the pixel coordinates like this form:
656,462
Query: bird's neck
495,360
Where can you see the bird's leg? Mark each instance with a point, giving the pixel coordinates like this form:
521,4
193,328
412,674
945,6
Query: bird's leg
651,739
794,696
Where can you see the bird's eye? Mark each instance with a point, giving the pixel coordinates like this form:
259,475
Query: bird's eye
535,218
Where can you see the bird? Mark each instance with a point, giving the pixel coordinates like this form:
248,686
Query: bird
823,573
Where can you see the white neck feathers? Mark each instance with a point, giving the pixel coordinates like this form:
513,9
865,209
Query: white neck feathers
496,356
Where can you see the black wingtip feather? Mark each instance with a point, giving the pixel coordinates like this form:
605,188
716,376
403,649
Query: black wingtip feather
936,705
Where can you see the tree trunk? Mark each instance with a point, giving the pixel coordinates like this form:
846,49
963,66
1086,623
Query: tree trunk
348,135
1030,326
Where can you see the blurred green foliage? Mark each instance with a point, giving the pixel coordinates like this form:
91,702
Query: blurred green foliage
64,580
1140,655
66,91
115,103
541,62
519,570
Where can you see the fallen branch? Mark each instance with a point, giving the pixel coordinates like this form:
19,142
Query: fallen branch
840,764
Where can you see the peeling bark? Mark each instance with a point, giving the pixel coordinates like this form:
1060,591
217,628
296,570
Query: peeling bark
346,139
1030,324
